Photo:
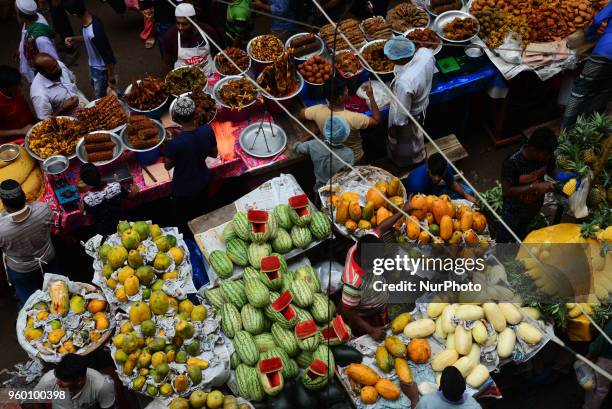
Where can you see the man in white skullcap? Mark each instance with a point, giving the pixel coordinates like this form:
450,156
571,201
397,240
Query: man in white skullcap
186,153
36,37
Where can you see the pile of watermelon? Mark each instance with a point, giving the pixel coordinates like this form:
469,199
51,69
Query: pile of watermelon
281,326
255,234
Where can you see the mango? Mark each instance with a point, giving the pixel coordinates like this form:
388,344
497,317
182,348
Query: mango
158,359
177,255
42,315
155,231
117,256
129,343
198,313
158,285
134,259
101,320
120,356
170,275
145,274
130,239
193,348
181,383
166,389
162,244
33,333
138,383
96,305
131,285
120,294
56,335
142,228
159,302
195,374
156,344
198,362
40,306
139,312
147,327
179,403
181,357
144,360
197,399
55,324
112,283
152,390
161,262
126,327
103,252
123,226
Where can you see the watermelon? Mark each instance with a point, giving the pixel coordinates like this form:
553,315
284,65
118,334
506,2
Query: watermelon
282,242
307,274
245,347
270,272
304,359
302,314
230,320
301,294
256,293
307,335
240,225
252,319
236,250
250,272
270,375
320,226
288,278
300,212
234,361
283,219
288,371
281,311
330,337
221,263
257,251
262,226
324,354
283,263
315,377
322,309
233,292
285,339
301,237
214,296
247,380
264,342
228,233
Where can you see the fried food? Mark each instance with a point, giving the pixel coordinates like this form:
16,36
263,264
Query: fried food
405,16
100,156
107,113
206,107
279,79
97,138
147,94
305,44
185,79
240,57
266,48
350,28
99,147
424,37
459,29
142,134
347,64
303,40
316,70
237,93
440,6
374,55
377,28
55,136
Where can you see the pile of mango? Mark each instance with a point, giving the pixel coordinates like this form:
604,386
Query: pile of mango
215,399
46,321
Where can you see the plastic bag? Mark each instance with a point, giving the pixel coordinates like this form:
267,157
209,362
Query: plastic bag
585,375
577,201
511,49
330,275
381,95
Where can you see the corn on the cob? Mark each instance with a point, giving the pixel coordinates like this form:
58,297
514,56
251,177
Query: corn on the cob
570,187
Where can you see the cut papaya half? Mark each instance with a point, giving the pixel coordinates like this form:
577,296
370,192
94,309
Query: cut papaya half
298,201
305,329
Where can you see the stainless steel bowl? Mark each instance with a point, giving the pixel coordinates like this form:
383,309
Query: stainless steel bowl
186,94
184,69
56,164
222,82
448,16
249,48
298,89
307,56
9,152
126,142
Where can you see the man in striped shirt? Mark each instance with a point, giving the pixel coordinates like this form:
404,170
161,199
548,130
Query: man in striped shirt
364,308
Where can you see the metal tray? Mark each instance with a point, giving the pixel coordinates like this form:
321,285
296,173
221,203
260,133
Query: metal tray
186,94
446,17
307,56
123,104
26,144
249,48
185,68
220,84
363,60
221,75
368,36
298,89
140,111
428,23
82,153
162,136
437,49
276,143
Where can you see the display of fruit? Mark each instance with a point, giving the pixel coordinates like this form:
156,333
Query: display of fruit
68,317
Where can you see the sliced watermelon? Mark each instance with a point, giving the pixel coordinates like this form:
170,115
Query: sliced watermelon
298,201
328,334
270,266
282,301
305,329
317,369
257,216
340,328
270,365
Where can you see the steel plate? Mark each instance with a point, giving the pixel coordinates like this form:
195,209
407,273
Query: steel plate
82,153
446,17
27,140
276,143
364,62
117,129
162,136
436,50
220,84
307,56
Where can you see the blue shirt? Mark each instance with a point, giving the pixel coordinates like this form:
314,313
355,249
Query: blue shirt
188,151
282,8
438,401
604,44
418,181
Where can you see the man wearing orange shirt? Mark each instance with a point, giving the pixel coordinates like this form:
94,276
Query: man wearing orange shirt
16,118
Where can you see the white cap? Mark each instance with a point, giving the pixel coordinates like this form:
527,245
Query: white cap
28,7
182,10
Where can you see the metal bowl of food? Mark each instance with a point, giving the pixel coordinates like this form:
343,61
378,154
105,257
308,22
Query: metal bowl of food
9,152
390,65
82,153
435,50
309,46
254,43
56,164
300,84
217,94
443,21
399,25
188,94
218,67
154,113
185,79
125,140
348,64
42,123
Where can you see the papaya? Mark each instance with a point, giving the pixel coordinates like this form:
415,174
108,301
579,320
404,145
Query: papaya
381,215
456,237
364,225
354,210
368,211
342,214
430,218
456,225
467,218
446,227
413,230
351,225
480,222
423,237
470,237
349,196
373,221
382,185
418,203
393,188
430,201
375,197
441,208
397,201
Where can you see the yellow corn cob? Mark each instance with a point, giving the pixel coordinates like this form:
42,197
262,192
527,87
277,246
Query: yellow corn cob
570,187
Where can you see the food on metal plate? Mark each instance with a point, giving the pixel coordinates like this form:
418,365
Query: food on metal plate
107,113
205,107
374,55
440,6
142,132
185,79
99,147
238,93
305,44
351,30
54,136
147,94
347,64
405,16
377,28
225,67
266,48
279,79
459,29
316,70
424,37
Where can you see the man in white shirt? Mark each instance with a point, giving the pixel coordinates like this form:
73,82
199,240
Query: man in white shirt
451,394
36,37
53,90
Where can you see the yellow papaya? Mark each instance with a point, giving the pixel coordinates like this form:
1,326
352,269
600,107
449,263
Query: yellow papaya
383,359
349,196
414,230
364,225
342,214
403,370
393,188
355,210
395,346
399,322
368,211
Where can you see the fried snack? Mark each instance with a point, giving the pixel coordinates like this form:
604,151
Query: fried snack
107,113
266,48
142,134
377,28
347,64
54,136
97,138
100,156
206,107
185,79
459,29
316,70
424,37
351,30
405,16
147,94
225,67
100,146
440,6
278,79
495,24
237,93
375,56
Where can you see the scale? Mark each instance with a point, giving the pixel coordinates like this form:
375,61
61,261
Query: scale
67,195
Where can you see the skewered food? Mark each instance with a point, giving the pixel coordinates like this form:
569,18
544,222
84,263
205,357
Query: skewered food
347,64
185,79
377,28
351,30
405,16
205,106
240,57
305,44
266,48
147,94
238,93
316,70
374,54
424,37
459,29
107,113
142,132
278,79
54,136
440,6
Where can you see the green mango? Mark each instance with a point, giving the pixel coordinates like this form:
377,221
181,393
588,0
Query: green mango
181,357
145,274
147,328
193,348
134,259
195,374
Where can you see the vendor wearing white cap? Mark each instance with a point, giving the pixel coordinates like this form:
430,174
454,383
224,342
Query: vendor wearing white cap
411,86
36,37
186,44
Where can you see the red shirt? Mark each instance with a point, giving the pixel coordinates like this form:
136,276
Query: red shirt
14,112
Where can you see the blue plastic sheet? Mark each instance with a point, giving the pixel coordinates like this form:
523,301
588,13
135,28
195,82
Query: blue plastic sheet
198,271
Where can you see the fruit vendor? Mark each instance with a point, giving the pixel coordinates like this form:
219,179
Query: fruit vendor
436,178
523,185
25,240
411,86
16,119
451,394
600,352
83,387
593,88
335,132
364,308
